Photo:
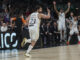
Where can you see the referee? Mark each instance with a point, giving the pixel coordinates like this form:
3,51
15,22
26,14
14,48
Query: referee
18,21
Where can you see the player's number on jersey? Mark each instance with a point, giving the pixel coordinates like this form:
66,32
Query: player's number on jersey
32,21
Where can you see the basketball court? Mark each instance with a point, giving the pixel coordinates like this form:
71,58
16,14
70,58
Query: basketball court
54,53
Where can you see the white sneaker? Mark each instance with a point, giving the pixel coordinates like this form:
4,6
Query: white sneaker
27,55
23,42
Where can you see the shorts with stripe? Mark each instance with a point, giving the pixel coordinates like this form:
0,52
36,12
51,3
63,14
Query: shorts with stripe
34,33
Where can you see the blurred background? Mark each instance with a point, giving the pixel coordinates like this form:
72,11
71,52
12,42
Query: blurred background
10,8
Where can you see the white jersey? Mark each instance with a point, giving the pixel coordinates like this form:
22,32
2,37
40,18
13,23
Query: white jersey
74,28
62,17
34,24
74,24
34,20
71,19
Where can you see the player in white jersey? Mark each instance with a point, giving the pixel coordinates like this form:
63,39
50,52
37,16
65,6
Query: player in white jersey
61,20
34,24
74,29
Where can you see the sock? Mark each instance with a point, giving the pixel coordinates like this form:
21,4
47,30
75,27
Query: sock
78,38
69,38
28,41
29,49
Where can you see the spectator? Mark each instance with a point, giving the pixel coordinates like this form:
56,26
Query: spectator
42,33
6,16
48,34
27,12
56,34
19,21
4,27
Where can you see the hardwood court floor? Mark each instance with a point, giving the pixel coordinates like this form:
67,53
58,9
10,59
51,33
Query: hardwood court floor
71,52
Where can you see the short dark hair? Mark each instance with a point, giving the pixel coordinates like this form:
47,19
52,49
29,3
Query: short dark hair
38,7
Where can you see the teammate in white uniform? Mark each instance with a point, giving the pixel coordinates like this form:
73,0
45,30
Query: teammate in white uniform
74,29
61,20
34,24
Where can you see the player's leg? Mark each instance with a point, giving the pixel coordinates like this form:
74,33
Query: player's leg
69,39
76,31
33,42
71,33
64,35
30,48
60,30
25,40
31,32
34,37
64,32
78,38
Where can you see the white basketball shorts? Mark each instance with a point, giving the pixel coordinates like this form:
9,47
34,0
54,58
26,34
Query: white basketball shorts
74,30
61,25
34,33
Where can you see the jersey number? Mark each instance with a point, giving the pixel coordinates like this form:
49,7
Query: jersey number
32,21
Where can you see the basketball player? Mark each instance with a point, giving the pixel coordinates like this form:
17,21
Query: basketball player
70,20
61,20
34,24
74,29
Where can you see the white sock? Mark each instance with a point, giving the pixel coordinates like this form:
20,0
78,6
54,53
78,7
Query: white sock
28,41
78,38
29,49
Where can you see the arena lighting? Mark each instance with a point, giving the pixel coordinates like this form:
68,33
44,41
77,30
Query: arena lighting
5,42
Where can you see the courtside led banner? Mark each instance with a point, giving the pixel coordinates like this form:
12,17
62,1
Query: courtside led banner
6,38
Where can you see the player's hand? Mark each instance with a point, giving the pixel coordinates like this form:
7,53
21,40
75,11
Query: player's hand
48,10
54,2
69,4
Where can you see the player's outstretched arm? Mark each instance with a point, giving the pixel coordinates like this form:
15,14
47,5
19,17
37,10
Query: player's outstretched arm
43,16
54,3
27,20
69,4
12,19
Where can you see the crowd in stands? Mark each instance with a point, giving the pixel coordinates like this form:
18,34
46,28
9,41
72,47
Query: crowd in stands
49,33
